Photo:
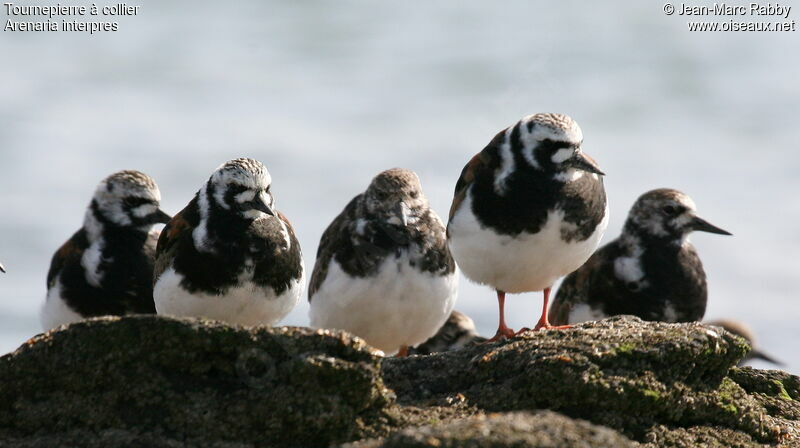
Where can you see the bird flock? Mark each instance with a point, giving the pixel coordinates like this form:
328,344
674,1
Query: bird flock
528,209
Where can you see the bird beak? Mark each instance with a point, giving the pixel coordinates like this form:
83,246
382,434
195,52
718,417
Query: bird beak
260,205
585,163
160,216
758,354
401,211
2,268
702,225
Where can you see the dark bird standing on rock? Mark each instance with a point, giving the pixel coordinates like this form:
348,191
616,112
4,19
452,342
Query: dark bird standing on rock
383,270
230,255
651,271
528,209
106,267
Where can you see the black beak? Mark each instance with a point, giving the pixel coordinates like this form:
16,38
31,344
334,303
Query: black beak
262,206
583,162
160,216
758,354
702,225
2,268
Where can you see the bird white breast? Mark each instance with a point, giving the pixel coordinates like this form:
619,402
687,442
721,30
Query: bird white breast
584,313
521,263
91,259
399,305
246,304
628,269
55,311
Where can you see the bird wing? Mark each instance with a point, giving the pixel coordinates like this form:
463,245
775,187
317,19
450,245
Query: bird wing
179,227
71,251
576,287
478,163
334,236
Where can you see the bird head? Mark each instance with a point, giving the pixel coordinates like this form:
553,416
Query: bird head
242,186
128,199
553,143
395,196
668,214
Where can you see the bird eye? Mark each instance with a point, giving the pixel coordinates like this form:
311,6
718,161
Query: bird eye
132,202
414,195
671,210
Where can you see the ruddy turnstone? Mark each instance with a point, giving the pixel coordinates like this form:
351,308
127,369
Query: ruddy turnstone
230,255
528,209
457,332
106,267
383,270
651,271
742,330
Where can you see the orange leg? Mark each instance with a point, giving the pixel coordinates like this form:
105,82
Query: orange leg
503,332
403,352
543,322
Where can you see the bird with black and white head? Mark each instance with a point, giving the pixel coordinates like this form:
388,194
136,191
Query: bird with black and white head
383,269
106,267
651,270
528,209
230,255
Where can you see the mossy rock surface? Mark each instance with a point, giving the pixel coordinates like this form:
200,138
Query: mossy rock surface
543,429
155,381
193,380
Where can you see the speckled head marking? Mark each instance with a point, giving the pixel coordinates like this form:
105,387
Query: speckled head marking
395,194
127,198
243,186
668,214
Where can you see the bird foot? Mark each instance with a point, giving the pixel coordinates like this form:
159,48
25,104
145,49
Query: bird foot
547,326
522,330
502,333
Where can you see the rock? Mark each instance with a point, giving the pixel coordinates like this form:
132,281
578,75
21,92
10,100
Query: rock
155,381
540,429
191,380
630,375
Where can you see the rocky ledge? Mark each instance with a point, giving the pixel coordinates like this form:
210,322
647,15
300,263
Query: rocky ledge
154,381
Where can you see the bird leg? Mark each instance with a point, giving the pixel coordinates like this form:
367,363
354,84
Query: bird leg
543,322
403,352
503,332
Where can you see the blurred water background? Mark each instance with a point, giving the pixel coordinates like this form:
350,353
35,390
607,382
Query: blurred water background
329,93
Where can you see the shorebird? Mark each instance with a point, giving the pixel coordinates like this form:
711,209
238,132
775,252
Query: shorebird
106,267
740,329
383,270
229,255
457,332
528,209
651,271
